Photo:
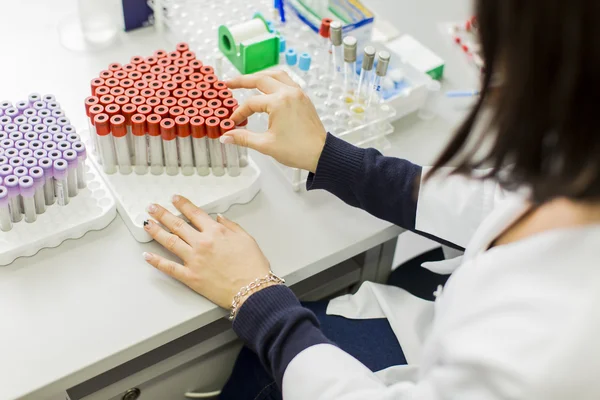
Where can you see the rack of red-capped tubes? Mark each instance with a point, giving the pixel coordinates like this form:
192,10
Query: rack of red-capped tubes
163,113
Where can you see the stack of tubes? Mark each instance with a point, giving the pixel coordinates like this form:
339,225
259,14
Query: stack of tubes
42,159
164,114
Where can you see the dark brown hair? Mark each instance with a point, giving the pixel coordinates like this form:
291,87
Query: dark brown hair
544,131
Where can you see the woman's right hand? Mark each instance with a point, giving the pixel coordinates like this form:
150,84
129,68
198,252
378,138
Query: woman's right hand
295,136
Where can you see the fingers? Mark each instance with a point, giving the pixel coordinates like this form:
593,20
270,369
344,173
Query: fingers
246,138
198,217
170,241
176,225
169,267
229,224
262,82
255,104
281,76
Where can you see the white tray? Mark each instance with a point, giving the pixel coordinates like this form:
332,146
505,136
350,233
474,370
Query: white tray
92,209
213,194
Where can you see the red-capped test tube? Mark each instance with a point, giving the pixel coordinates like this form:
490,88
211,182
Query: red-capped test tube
184,145
200,144
119,133
155,144
105,144
89,102
213,131
232,159
167,132
243,151
138,128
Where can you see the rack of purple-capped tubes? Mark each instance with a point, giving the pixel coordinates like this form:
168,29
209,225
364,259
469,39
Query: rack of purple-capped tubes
42,159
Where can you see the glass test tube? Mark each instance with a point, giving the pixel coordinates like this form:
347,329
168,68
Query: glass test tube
11,182
105,143
79,147
383,62
184,145
304,68
138,130
27,190
60,172
37,173
121,142
232,158
349,68
47,165
155,143
5,221
71,157
213,131
324,33
128,110
95,110
365,72
167,133
200,144
243,151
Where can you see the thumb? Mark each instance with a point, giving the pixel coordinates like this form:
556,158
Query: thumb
245,138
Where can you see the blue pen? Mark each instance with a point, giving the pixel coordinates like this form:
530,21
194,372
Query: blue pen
462,93
279,6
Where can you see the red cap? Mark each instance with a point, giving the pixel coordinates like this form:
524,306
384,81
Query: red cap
138,100
102,124
210,94
324,29
190,112
95,110
206,112
155,85
176,111
183,46
213,129
153,101
112,109
179,93
138,124
153,124
230,104
219,85
165,77
160,54
169,102
147,92
198,127
120,74
128,111
214,104
167,129
174,55
195,65
148,77
107,99
222,113
225,94
128,67
210,78
183,126
169,86
189,55
162,111
135,75
188,85
117,126
126,83
163,62
157,69
162,93
140,85
135,60
226,126
122,100
196,77
244,122
96,83
102,90
207,69
106,74
186,71
115,67
90,101
111,82
180,63
203,86
172,69
132,92
117,91
152,60
194,93
184,102
199,104
178,78
144,109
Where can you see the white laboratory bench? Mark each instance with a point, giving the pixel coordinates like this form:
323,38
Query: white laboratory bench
92,318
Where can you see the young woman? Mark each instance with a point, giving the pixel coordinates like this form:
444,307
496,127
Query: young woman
518,317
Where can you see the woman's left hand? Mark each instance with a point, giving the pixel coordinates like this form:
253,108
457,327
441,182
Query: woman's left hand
219,257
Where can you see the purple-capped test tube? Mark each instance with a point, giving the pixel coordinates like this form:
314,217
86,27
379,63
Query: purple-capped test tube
48,98
27,191
15,162
70,156
29,136
7,144
10,153
36,144
45,137
58,113
40,153
33,97
46,164
39,105
40,128
20,120
30,113
50,121
54,154
52,105
4,104
30,162
63,145
79,147
49,146
11,182
20,171
37,173
22,106
25,154
25,128
34,120
54,129
5,120
44,113
11,112
73,137
63,121
61,171
5,221
11,127
21,144
68,129
16,136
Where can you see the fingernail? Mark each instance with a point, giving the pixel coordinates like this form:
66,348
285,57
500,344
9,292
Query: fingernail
220,216
147,256
147,225
226,139
175,199
151,208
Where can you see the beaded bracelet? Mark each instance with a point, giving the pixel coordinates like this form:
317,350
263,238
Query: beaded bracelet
257,283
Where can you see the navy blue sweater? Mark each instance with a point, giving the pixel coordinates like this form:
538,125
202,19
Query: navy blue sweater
272,322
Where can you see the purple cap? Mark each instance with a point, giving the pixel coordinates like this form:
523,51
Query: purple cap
20,120
21,144
22,105
30,112
26,186
63,121
44,113
49,146
25,128
60,169
73,137
50,121
15,136
4,104
37,173
59,137
3,135
52,105
40,128
10,153
71,157
33,97
3,196
55,155
45,137
6,170
39,105
3,160
79,147
34,120
16,162
25,153
68,129
40,153
20,171
54,129
63,145
29,136
36,144
11,183
5,120
7,143
46,165
30,162
11,128
12,112
49,97
58,113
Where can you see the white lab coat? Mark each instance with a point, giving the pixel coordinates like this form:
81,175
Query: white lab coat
517,321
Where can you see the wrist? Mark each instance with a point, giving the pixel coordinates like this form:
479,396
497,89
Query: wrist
246,291
319,146
254,291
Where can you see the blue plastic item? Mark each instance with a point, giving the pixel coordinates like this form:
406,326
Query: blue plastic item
304,63
291,58
282,44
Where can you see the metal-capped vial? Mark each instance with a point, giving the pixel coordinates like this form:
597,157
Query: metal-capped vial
335,33
383,63
368,58
350,49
